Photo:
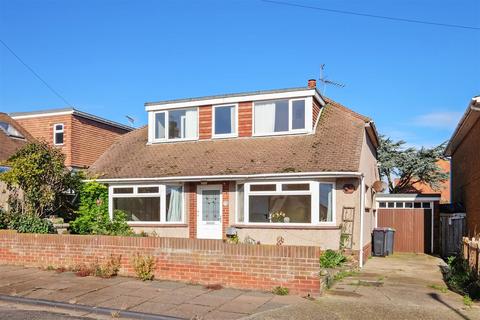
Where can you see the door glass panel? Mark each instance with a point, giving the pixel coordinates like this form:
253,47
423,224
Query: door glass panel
211,205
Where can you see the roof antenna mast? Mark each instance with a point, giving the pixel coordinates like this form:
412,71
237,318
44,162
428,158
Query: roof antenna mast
131,120
324,80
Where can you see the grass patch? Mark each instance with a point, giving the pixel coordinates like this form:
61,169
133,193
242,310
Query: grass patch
367,283
280,291
442,289
467,300
344,274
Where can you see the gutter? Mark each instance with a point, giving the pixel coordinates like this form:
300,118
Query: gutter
449,149
265,176
362,211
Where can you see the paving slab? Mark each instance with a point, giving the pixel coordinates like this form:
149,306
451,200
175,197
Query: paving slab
209,300
154,307
221,315
244,304
189,311
122,302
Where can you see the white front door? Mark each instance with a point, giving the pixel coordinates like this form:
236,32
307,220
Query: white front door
209,212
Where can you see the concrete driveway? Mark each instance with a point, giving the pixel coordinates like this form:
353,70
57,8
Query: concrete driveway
403,286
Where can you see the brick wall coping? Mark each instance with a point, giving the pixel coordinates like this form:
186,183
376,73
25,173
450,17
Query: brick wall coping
175,244
250,226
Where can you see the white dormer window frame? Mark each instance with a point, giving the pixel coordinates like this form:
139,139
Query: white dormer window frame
308,128
59,130
233,134
153,129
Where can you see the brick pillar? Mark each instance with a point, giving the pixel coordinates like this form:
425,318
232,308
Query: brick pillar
225,209
192,210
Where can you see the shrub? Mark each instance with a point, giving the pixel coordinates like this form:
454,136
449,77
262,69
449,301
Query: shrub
460,277
38,181
280,291
4,219
29,223
144,266
332,259
110,268
93,216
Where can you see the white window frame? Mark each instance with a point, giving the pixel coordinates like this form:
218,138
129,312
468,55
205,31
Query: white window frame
55,131
162,188
152,125
308,117
314,193
225,135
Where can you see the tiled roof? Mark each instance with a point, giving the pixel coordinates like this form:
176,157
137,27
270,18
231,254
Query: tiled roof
9,144
335,146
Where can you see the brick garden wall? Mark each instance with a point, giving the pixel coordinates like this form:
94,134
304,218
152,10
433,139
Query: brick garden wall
259,267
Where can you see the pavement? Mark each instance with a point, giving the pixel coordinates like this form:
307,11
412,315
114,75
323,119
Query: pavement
402,286
166,298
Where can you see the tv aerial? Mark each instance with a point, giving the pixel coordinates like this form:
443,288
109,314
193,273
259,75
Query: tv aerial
326,82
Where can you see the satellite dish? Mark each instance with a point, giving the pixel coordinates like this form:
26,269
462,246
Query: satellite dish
379,186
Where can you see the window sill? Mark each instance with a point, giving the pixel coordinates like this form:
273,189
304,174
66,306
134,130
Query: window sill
158,225
298,227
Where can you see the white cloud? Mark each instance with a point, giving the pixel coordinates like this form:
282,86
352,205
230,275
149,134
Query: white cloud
440,120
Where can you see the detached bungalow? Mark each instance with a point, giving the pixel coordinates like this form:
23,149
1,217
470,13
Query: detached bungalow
285,166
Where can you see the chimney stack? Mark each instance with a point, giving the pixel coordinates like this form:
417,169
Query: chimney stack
312,83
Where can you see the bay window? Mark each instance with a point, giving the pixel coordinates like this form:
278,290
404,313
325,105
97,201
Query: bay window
280,116
177,124
303,202
148,204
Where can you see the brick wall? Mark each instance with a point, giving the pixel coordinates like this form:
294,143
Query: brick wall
84,139
466,178
41,128
245,110
259,267
205,122
315,112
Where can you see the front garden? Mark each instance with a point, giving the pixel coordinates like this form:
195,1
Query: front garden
43,195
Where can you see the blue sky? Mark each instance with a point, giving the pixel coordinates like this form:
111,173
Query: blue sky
109,57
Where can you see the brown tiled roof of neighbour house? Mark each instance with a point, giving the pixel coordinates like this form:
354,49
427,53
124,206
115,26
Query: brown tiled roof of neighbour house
8,143
335,146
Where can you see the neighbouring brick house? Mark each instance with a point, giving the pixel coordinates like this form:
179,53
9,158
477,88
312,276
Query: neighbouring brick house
283,166
464,150
444,188
12,137
81,136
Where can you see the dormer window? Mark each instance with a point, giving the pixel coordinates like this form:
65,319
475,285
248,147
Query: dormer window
177,124
58,131
224,121
280,117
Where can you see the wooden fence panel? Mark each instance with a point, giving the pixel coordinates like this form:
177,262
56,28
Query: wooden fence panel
471,253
